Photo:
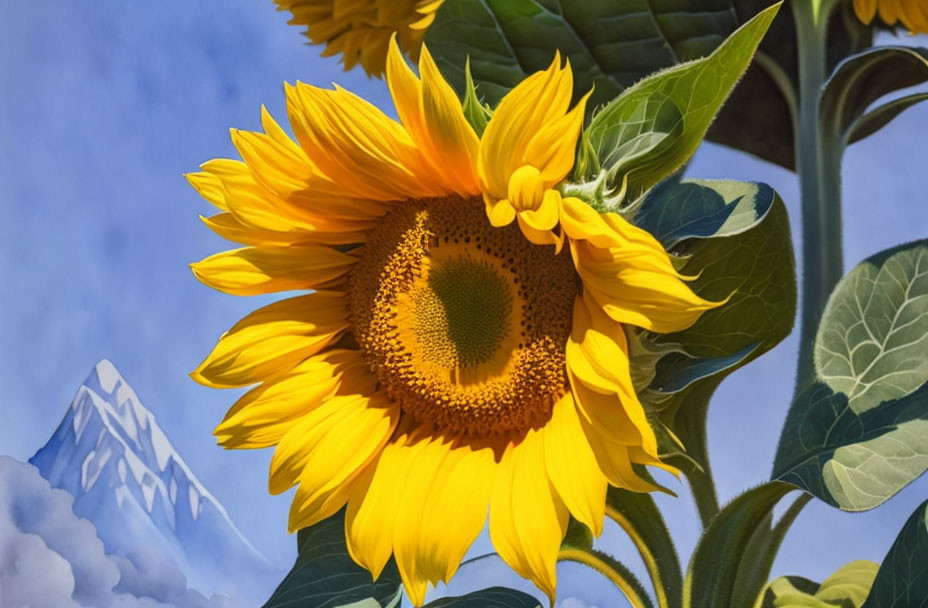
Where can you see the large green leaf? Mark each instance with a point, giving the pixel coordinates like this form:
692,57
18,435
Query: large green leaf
716,563
862,79
325,576
612,45
859,433
494,597
655,126
734,238
848,587
902,581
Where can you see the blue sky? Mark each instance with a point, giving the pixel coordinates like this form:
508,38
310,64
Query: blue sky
104,106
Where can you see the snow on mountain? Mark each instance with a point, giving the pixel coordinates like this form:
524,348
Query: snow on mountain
146,503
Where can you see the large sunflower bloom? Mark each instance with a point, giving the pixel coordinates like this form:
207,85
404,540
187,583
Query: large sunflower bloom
446,367
913,14
361,29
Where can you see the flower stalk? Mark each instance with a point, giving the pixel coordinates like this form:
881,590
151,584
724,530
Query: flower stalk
818,161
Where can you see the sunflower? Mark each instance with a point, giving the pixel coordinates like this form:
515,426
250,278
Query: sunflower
913,14
361,30
464,348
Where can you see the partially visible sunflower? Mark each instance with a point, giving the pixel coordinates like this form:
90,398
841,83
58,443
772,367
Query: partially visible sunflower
361,29
913,14
446,365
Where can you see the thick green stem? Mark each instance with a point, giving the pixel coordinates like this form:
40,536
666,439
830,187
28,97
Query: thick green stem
690,426
818,160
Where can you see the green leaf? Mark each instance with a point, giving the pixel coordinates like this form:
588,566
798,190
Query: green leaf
846,588
325,576
902,581
734,237
862,79
879,117
715,565
494,597
859,433
655,126
639,516
761,552
612,45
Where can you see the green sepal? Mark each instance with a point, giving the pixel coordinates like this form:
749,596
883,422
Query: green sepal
325,575
578,535
654,127
859,433
862,79
476,112
902,581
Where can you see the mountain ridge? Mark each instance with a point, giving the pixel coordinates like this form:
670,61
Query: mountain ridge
145,501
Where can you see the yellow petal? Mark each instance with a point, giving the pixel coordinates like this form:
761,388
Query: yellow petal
615,461
537,101
500,213
274,338
542,237
426,114
246,200
453,139
374,503
406,90
329,444
600,376
263,415
229,227
572,466
208,186
638,287
442,511
611,415
526,192
865,9
357,146
331,456
553,148
544,217
528,519
256,270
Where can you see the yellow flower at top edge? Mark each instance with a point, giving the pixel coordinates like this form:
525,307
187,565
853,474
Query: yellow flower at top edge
913,14
446,365
360,30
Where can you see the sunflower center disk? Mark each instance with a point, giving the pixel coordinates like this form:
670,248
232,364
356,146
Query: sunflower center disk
464,324
462,313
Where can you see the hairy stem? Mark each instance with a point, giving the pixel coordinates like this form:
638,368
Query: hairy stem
818,162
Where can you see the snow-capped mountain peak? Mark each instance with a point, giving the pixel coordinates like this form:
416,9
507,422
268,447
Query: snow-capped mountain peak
149,456
128,479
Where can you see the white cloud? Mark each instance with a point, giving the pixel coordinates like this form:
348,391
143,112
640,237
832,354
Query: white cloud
573,602
50,558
